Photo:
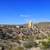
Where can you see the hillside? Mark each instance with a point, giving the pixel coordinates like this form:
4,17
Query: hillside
22,36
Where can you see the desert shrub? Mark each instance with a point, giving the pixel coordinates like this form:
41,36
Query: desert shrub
46,44
17,37
29,44
27,37
19,48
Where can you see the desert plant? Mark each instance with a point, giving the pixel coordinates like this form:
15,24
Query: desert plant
19,48
29,44
45,44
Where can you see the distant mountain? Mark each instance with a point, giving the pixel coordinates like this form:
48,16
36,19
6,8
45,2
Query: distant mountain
44,23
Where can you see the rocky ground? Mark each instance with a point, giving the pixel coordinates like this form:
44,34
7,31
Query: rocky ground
22,38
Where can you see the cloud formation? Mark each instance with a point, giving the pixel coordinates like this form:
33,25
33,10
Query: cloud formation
25,16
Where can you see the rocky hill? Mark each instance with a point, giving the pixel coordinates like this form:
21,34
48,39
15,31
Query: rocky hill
12,37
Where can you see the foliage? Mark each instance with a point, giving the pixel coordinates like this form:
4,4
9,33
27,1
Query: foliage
19,48
46,44
28,44
17,37
27,37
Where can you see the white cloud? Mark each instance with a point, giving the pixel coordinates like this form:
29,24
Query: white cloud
25,16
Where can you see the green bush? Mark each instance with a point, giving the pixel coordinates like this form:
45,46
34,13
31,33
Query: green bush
46,44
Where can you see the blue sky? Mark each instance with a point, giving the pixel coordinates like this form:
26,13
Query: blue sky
22,11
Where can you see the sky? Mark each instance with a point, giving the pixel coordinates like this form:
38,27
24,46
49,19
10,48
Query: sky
22,11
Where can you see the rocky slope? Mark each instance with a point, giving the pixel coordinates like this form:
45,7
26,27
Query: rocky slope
12,37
